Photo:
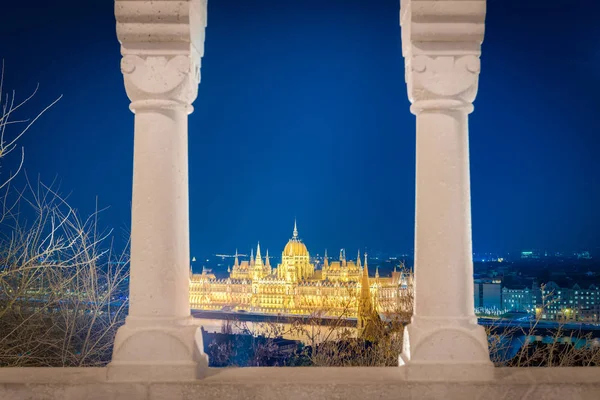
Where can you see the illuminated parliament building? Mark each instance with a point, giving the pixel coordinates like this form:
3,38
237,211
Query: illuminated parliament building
295,286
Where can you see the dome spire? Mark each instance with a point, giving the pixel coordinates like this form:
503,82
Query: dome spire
295,230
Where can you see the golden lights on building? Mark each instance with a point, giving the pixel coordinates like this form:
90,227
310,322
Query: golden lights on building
340,288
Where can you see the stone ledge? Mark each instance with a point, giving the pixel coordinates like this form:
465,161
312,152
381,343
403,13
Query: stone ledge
300,383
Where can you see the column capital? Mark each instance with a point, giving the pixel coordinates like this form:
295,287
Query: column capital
162,43
441,44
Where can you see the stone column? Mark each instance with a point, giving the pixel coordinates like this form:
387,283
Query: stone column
441,43
162,44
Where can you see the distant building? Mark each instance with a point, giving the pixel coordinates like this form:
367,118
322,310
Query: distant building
530,255
487,294
575,304
585,255
521,299
339,288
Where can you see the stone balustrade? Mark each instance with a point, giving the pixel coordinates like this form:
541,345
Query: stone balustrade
352,383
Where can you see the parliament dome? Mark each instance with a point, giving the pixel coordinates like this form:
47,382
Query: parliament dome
295,248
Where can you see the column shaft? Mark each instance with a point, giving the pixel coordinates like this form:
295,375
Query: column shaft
160,216
443,250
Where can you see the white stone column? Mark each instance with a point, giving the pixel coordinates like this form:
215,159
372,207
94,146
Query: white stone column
162,44
441,42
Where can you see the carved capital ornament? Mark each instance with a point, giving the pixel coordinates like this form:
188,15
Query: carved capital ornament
165,80
441,44
162,42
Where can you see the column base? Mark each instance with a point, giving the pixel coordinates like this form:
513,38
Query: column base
446,350
158,350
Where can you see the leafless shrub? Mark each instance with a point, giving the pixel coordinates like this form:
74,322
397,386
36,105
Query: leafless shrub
330,337
332,342
11,128
62,289
539,345
59,279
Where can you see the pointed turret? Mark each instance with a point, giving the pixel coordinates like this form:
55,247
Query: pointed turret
258,271
367,316
258,261
358,261
325,261
365,293
377,272
268,263
364,305
295,234
236,263
365,275
251,257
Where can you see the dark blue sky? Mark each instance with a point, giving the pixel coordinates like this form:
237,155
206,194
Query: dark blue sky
302,111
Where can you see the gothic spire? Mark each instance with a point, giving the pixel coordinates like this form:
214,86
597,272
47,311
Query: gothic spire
325,261
358,260
258,260
365,307
236,263
268,263
251,257
295,236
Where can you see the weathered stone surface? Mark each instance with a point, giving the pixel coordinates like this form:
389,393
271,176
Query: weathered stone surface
162,43
300,384
441,44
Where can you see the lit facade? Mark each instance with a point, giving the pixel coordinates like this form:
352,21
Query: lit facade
296,287
519,299
552,302
575,303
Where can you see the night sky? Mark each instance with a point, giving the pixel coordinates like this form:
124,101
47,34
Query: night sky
302,112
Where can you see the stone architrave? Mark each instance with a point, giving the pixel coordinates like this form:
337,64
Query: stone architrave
441,43
162,42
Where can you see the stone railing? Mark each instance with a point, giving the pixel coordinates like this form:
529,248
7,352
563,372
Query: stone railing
301,383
